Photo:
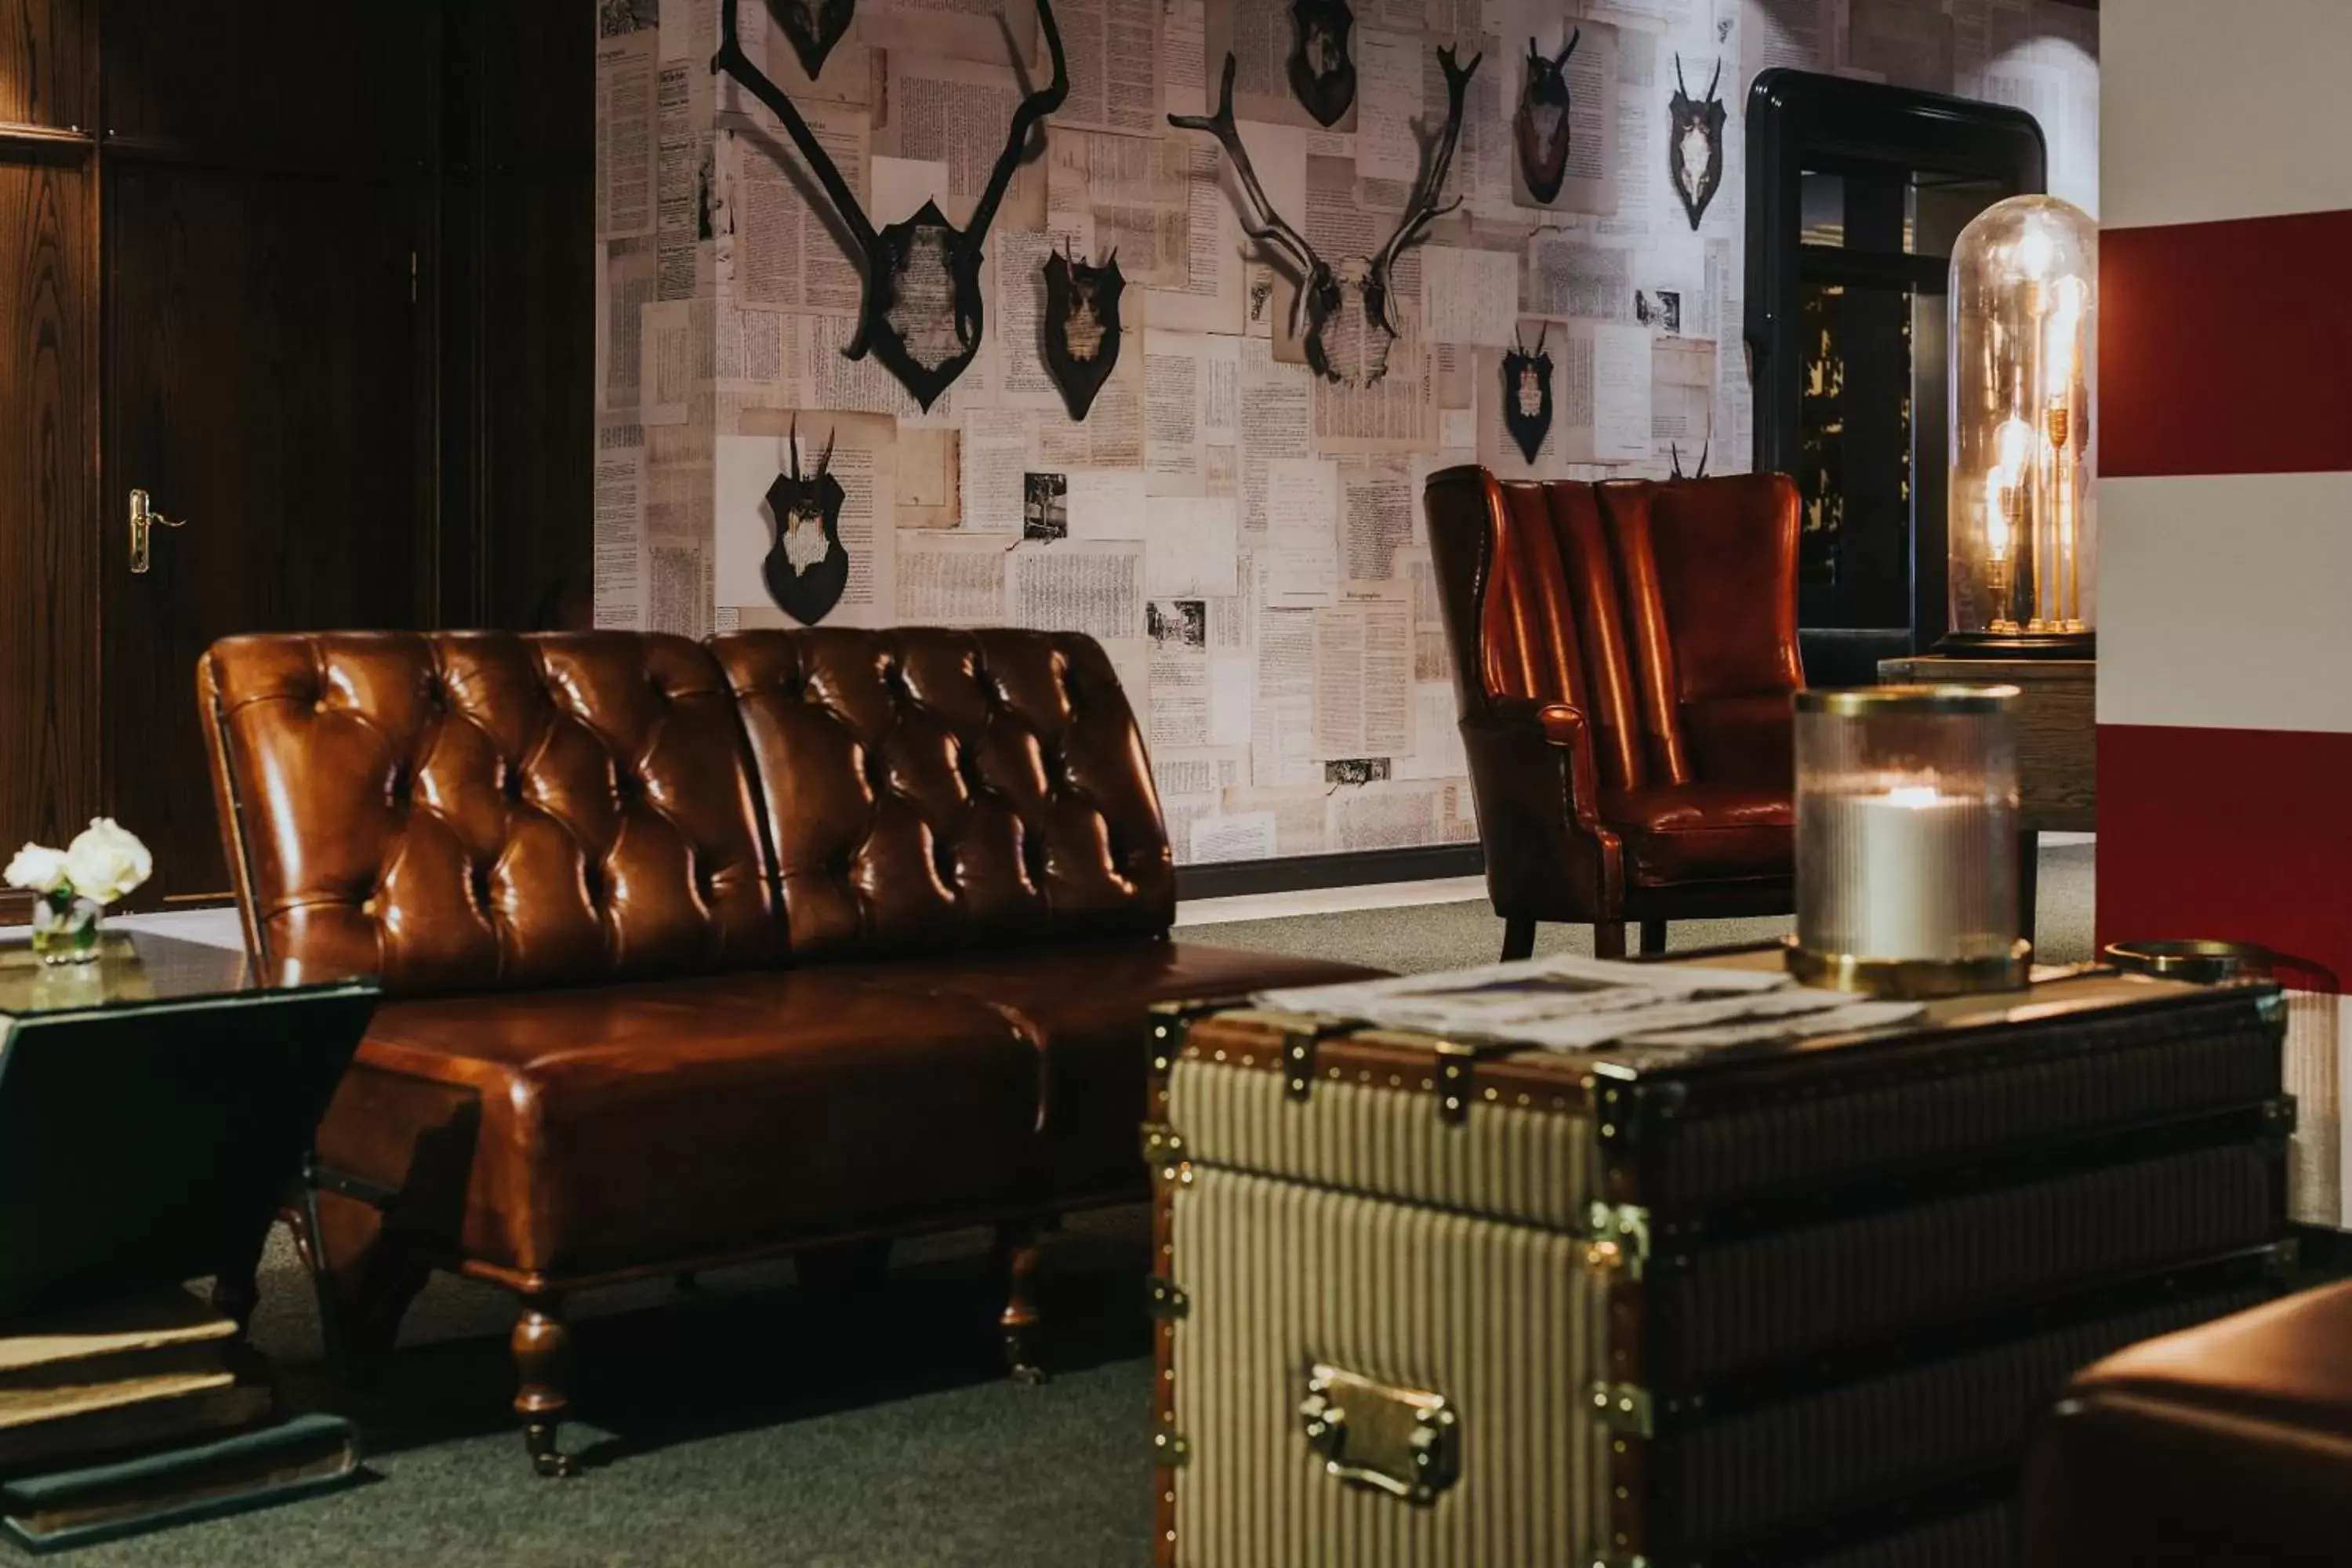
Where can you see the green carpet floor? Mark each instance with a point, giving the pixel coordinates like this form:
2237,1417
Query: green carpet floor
742,1425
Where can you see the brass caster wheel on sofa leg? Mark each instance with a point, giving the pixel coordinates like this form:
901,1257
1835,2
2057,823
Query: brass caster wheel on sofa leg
1019,1323
539,1344
539,1437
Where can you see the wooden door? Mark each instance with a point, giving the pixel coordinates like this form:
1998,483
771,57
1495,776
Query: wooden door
267,369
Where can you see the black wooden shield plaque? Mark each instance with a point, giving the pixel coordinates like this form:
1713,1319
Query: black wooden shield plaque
1539,128
814,26
1322,72
1081,329
1694,143
807,566
923,308
1527,395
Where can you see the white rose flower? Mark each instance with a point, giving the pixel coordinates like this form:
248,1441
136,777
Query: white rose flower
37,868
105,861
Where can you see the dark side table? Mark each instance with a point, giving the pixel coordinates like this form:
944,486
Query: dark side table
155,1105
2057,750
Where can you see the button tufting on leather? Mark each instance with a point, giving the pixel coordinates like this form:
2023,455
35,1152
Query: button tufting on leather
943,861
510,780
479,880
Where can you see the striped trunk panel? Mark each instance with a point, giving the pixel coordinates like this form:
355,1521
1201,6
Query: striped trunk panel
1505,1321
1516,1162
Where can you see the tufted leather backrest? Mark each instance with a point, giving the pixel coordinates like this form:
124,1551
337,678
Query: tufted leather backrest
460,811
929,790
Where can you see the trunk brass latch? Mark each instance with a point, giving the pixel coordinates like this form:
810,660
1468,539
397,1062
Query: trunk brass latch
1401,1441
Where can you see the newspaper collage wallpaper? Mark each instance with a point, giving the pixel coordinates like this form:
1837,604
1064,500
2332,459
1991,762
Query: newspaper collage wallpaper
1242,531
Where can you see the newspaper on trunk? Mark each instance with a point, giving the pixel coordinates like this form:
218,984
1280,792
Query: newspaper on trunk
1573,1004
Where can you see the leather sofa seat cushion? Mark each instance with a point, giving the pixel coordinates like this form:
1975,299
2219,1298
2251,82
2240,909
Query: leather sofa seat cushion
622,1125
1083,1005
2229,1442
1683,833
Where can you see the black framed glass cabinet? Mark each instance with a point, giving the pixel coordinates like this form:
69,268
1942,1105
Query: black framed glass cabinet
1855,194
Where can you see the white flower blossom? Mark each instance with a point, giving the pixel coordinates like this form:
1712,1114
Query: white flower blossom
38,868
105,861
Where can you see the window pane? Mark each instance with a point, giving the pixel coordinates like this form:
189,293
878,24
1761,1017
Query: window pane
1854,444
1821,208
1940,207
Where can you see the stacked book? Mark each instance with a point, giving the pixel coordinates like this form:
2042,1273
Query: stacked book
145,1412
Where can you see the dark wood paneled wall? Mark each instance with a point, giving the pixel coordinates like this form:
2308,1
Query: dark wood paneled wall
48,417
499,143
519,285
46,61
48,564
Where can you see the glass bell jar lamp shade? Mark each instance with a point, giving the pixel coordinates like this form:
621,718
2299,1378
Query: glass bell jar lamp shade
2024,346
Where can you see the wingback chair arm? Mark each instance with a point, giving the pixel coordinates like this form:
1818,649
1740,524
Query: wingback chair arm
1514,724
1549,854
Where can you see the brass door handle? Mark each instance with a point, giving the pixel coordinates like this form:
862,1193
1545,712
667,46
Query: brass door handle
143,518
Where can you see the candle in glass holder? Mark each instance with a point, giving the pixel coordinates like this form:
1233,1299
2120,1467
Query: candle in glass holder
1903,873
1906,841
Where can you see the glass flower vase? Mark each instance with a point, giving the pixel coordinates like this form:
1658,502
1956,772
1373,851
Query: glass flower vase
66,927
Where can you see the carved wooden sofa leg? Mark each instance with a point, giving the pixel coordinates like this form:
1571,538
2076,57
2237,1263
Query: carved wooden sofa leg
1016,1254
540,1345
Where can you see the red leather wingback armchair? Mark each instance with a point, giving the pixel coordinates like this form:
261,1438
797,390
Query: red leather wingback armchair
1624,655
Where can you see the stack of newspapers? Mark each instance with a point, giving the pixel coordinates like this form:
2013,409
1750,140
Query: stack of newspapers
1571,1004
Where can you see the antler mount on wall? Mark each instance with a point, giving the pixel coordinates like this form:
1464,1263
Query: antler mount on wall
923,314
1346,314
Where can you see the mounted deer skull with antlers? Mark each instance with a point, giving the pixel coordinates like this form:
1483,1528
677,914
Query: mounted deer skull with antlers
1540,128
807,566
1346,314
922,311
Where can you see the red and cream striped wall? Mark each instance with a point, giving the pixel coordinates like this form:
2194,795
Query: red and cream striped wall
2225,505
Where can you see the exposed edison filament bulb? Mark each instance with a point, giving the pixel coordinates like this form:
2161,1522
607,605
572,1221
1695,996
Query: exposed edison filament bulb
2034,252
2061,355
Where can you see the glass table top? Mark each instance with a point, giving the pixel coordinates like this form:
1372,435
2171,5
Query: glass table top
136,969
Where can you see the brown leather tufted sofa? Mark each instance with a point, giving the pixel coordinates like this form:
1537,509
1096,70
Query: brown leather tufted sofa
1625,656
693,955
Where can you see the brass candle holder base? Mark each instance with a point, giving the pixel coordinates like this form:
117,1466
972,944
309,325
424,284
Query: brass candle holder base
1912,979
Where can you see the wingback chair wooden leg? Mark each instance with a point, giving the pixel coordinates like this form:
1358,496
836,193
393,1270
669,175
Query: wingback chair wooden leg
1609,938
1518,938
540,1345
1654,938
1016,1257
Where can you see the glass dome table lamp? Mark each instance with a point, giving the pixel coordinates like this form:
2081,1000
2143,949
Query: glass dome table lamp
2024,347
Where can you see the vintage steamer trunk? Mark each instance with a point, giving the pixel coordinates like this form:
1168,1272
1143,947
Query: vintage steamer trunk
1424,1304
